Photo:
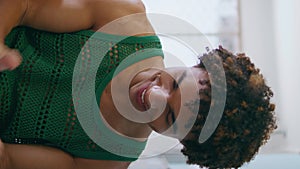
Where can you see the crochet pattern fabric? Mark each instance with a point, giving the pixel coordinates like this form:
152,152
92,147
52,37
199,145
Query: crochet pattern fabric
36,105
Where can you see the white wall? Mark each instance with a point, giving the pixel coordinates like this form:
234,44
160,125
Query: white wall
287,28
270,34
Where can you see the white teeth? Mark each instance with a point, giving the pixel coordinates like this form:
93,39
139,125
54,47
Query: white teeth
143,96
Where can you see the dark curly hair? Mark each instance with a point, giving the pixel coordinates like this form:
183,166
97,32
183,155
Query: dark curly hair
248,118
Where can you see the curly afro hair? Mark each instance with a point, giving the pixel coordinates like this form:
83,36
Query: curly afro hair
248,118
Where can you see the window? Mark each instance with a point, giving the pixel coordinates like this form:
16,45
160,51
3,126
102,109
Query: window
216,20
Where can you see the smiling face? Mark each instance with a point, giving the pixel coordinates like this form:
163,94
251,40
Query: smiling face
171,88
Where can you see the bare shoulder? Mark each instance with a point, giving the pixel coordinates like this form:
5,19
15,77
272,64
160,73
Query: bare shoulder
105,11
58,15
133,5
74,15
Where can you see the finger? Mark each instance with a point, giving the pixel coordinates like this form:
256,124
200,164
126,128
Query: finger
10,60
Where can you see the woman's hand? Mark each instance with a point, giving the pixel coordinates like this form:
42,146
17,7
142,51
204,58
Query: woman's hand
9,58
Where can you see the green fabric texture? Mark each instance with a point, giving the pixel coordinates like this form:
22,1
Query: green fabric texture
36,105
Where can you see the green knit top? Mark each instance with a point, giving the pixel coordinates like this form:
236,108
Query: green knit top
36,103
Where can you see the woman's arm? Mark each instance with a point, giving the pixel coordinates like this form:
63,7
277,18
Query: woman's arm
14,156
64,16
49,15
4,160
17,156
12,12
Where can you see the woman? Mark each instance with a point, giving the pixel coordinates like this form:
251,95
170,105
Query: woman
40,123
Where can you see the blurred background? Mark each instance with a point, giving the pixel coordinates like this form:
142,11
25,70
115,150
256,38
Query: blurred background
266,30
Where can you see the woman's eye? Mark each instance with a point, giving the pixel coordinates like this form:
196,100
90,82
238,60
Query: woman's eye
175,84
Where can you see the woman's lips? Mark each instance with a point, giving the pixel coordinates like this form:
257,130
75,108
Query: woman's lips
143,92
141,97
